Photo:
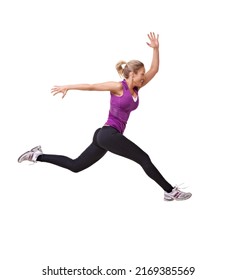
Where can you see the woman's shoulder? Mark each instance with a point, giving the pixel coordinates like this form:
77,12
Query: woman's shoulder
117,88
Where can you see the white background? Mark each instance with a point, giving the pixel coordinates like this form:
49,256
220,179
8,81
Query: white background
112,214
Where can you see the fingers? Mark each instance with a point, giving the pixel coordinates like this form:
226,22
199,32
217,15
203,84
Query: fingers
58,89
64,93
152,36
55,89
154,43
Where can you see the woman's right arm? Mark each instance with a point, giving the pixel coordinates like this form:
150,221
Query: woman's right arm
114,87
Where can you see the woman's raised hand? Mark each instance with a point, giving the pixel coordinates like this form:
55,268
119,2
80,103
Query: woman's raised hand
154,43
59,89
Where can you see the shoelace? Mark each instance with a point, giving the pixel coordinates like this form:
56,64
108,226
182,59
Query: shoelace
182,188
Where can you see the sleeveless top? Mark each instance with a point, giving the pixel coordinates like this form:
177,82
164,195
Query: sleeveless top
121,107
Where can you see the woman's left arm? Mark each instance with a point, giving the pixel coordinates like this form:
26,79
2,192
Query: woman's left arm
154,43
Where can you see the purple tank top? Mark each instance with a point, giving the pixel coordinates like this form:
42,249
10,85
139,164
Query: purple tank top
120,108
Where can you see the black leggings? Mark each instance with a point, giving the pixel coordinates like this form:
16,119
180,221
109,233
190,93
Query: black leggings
109,139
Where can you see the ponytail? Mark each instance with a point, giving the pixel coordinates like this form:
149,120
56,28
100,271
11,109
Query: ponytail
119,67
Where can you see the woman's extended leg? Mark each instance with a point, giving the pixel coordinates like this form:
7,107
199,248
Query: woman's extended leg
113,141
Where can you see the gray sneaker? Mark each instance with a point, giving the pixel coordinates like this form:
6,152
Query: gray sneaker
176,194
31,155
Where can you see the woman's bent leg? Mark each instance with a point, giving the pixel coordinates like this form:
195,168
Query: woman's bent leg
91,155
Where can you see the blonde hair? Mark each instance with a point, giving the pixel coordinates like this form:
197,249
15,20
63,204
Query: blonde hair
131,66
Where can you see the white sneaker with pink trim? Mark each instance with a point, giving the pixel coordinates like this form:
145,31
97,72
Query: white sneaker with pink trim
31,155
176,194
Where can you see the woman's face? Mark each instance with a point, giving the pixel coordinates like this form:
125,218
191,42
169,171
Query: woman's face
139,77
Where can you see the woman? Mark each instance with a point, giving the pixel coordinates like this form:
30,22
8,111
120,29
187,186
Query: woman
124,99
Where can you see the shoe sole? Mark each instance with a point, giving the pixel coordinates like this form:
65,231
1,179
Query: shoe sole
171,199
168,199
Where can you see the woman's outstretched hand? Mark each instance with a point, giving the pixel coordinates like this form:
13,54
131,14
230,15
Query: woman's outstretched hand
59,89
154,43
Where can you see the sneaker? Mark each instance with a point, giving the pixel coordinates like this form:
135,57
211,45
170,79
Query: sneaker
176,194
31,155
